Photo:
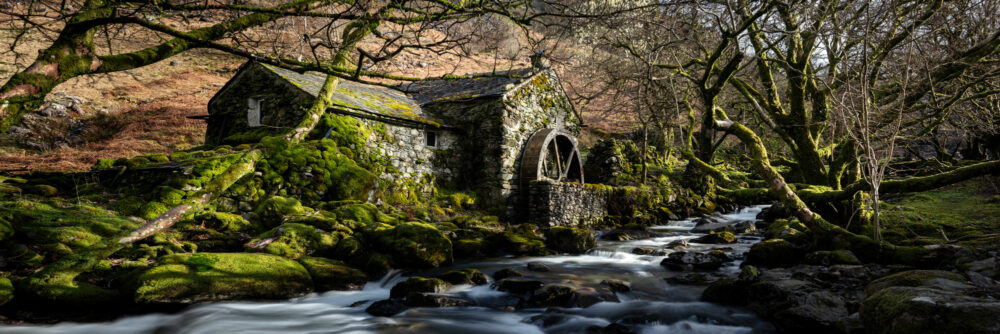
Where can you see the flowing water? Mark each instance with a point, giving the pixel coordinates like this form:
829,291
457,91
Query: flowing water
653,305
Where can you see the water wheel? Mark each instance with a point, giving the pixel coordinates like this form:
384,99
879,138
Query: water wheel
551,154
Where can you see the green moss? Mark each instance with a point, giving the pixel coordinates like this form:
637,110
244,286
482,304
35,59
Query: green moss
222,221
414,245
294,241
524,241
418,284
469,276
330,274
42,190
958,212
152,210
189,278
6,290
911,278
103,164
570,240
274,210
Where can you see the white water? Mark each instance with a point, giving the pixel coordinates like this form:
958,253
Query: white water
653,306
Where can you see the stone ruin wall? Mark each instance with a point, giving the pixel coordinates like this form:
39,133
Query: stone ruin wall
566,204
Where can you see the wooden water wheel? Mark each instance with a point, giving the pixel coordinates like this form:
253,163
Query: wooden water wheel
551,154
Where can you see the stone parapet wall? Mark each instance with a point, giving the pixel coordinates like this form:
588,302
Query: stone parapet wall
566,204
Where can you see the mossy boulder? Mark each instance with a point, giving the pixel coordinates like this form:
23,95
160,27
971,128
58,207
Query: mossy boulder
570,240
826,258
903,309
42,190
471,248
524,240
774,253
273,211
418,284
6,290
724,237
469,276
293,241
191,278
915,278
414,245
330,274
223,222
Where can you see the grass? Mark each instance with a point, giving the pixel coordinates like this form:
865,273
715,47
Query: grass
966,213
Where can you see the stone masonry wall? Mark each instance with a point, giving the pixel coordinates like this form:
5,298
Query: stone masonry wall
408,156
536,104
566,204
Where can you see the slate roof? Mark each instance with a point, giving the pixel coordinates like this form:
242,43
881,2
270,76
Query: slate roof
444,90
405,100
356,96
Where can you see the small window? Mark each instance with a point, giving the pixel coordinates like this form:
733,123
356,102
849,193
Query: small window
431,139
253,112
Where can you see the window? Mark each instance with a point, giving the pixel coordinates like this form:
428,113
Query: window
253,112
431,139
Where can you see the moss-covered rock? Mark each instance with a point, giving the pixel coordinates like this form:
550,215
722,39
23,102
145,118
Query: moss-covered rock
826,258
919,310
469,276
418,284
774,253
221,221
330,274
414,245
570,240
273,211
6,290
191,278
293,241
471,248
524,240
724,237
913,278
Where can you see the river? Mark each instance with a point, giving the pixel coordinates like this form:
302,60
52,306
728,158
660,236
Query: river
652,306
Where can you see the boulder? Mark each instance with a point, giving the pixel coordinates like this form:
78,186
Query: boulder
330,274
563,295
680,261
294,241
907,309
648,251
414,245
418,284
191,278
386,308
928,278
419,299
774,253
470,276
677,245
628,234
523,241
506,273
617,285
569,239
519,285
273,211
826,258
539,267
693,279
716,238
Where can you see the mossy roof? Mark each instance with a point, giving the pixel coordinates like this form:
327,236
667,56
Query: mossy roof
355,96
481,85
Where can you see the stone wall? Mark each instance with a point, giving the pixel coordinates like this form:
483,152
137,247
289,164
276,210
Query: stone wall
535,104
281,107
566,204
407,155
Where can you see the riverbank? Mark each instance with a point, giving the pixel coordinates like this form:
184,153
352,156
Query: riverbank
618,286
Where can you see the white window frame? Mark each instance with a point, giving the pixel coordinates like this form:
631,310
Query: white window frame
253,111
